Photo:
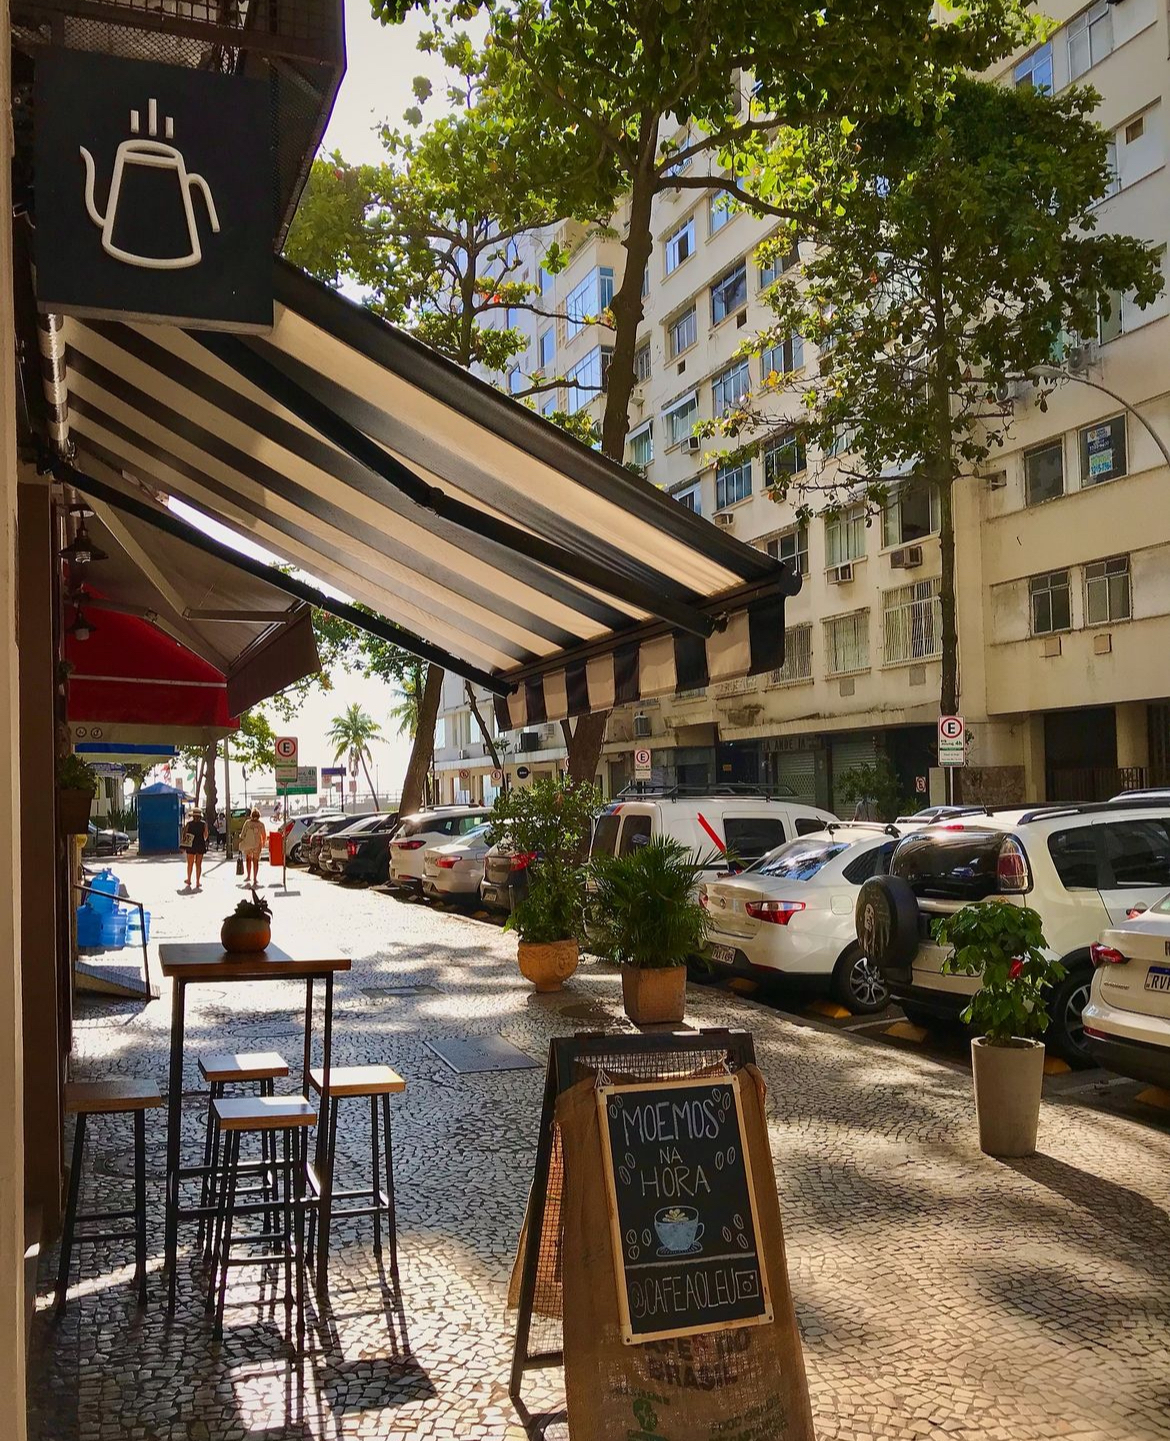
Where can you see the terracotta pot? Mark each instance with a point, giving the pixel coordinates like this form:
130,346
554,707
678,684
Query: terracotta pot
547,964
73,808
245,934
1008,1082
654,994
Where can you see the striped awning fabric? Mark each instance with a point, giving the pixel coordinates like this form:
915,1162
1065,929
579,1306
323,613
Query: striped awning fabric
522,559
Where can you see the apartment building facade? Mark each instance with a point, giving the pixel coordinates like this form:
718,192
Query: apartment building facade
1063,544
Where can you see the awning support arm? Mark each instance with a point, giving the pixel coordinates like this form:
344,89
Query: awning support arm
359,447
290,585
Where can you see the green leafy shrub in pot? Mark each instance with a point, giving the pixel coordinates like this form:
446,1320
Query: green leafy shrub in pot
642,910
74,775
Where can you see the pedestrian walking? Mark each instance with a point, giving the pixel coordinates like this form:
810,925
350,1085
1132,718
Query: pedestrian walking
195,845
251,841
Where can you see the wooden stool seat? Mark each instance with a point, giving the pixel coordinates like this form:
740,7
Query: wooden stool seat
264,1113
229,1066
110,1098
358,1080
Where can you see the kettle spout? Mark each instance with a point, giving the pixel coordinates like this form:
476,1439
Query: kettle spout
90,175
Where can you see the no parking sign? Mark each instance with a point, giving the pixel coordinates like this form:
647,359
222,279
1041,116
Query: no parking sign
952,740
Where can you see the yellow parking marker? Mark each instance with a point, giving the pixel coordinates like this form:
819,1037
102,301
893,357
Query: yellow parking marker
743,985
1054,1066
1155,1096
907,1031
828,1008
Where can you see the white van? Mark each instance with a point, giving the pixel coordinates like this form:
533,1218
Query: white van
737,826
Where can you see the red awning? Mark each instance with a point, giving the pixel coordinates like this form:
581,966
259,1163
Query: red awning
130,671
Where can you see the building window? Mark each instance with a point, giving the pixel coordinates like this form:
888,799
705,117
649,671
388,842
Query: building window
729,293
842,441
847,643
845,536
646,280
682,332
718,214
910,514
548,406
1044,472
680,419
642,362
1051,602
1035,70
784,457
1107,591
783,358
586,380
1090,38
1103,448
547,349
587,300
797,656
770,273
791,548
732,483
545,280
912,622
730,386
681,245
689,499
515,381
641,444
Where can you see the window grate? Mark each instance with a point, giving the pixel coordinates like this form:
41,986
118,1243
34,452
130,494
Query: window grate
912,622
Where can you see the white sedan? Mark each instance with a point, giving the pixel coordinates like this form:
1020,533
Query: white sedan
454,870
791,913
1127,1019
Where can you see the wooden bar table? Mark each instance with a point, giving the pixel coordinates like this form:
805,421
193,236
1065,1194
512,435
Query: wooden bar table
206,962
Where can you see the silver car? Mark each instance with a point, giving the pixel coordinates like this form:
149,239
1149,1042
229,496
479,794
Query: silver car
454,870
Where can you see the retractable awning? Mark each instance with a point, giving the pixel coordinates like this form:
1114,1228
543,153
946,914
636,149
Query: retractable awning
506,549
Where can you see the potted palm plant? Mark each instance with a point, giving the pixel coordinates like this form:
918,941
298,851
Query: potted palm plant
643,914
549,821
76,788
249,927
1004,945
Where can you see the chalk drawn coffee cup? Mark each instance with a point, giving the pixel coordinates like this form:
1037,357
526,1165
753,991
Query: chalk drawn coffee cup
678,1228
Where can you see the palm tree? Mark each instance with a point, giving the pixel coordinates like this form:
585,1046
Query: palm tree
407,711
352,732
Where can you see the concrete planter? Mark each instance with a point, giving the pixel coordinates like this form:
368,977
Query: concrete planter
1008,1083
547,964
73,808
654,994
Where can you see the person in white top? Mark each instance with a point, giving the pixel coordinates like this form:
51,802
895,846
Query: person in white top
251,843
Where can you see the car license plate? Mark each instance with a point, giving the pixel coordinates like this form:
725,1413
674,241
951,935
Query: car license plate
1158,978
725,955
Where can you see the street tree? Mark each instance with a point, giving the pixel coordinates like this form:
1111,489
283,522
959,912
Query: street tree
703,98
350,735
958,249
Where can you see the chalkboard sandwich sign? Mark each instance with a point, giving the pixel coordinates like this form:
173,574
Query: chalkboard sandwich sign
686,1240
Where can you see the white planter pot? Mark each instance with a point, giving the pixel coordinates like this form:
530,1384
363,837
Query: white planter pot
1008,1083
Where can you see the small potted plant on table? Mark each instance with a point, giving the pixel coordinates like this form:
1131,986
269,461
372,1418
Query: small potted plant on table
550,822
1004,944
248,928
644,914
76,788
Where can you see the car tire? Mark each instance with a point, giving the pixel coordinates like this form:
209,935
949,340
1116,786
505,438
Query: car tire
887,922
858,984
1066,1031
701,972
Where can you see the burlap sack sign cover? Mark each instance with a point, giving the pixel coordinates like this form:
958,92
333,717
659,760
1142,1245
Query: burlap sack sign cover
745,1383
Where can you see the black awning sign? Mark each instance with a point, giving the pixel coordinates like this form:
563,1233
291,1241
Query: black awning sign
686,1240
153,192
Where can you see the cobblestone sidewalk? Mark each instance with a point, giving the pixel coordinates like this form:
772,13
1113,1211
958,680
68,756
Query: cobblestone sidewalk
940,1293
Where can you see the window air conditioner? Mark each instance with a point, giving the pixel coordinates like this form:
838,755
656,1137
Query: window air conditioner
906,558
692,445
997,480
1078,358
840,574
1008,391
465,753
529,740
641,726
725,518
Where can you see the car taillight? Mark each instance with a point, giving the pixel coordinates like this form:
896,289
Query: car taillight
284,830
446,863
1106,955
351,848
409,845
778,913
1011,867
521,860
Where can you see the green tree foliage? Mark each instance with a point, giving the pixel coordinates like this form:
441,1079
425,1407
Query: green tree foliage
643,907
875,788
1004,945
958,250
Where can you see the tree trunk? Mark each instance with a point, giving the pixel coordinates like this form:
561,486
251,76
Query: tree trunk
483,730
369,782
424,742
940,467
585,748
210,789
949,689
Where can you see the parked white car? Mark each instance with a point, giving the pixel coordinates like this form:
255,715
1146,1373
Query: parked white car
1127,1020
791,914
453,871
428,828
296,828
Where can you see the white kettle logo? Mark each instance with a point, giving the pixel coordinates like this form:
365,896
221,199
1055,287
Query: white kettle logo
156,155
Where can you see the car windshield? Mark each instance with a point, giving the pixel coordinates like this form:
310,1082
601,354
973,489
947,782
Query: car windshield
1162,907
799,860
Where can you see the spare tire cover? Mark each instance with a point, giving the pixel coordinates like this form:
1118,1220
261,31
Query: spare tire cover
887,921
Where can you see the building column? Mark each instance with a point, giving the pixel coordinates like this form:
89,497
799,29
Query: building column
12,1226
1133,735
1034,758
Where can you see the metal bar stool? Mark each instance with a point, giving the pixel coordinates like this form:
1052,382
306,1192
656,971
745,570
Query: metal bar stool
221,1069
290,1117
106,1098
345,1082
